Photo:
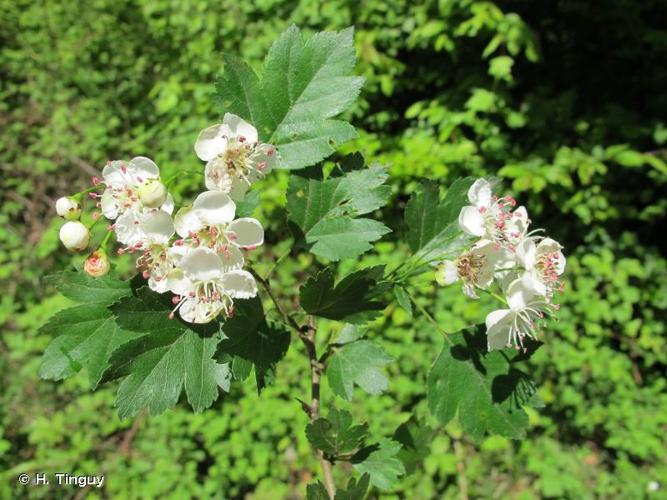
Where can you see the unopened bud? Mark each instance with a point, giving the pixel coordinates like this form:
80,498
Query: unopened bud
97,264
68,208
74,235
153,194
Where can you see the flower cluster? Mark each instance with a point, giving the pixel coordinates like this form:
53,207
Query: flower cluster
198,255
526,267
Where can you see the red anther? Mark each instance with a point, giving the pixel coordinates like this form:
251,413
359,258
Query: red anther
111,227
96,181
242,139
261,165
123,169
178,243
175,299
120,251
251,247
140,179
191,294
232,235
93,195
230,312
482,210
96,215
270,152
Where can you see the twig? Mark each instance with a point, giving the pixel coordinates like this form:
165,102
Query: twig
307,335
124,448
461,469
431,320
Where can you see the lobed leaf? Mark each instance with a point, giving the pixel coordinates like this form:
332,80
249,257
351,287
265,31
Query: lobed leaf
359,363
432,223
251,341
353,299
305,84
381,463
85,335
485,388
326,210
336,435
167,357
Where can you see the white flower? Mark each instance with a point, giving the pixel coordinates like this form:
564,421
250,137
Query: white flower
152,236
544,263
74,235
508,327
206,284
490,217
124,180
68,208
235,159
475,268
210,223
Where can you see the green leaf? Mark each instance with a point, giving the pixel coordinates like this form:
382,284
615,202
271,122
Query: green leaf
251,339
316,491
84,336
403,299
247,206
356,490
326,211
486,388
359,363
353,299
170,356
82,288
415,437
432,224
305,84
336,435
381,463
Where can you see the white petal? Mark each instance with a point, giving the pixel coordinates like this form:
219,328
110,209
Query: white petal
158,284
238,189
471,221
211,142
521,292
214,207
157,226
479,193
560,265
128,228
112,173
178,282
143,168
168,205
109,205
547,245
202,265
446,273
187,220
240,128
497,328
526,252
469,291
264,158
249,232
232,259
239,284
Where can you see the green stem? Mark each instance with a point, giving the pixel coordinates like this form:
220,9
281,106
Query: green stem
430,318
172,178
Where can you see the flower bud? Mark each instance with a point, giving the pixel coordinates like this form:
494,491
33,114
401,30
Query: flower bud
153,194
68,208
74,235
97,264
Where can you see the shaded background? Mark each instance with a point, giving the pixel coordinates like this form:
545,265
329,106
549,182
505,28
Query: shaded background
565,101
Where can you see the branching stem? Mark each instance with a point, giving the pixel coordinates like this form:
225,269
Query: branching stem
307,335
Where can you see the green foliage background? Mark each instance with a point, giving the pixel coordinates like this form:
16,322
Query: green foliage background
564,101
